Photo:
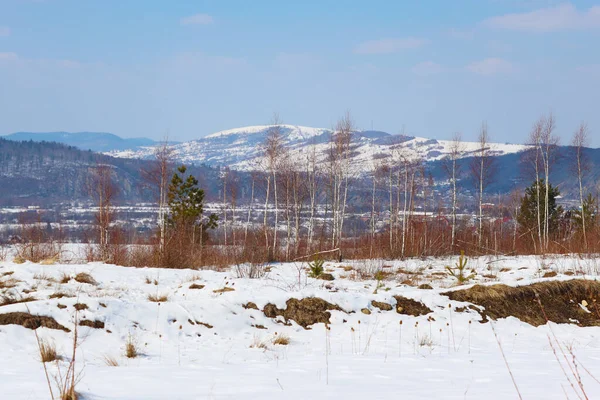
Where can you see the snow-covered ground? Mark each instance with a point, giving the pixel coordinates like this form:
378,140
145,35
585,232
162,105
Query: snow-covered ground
199,343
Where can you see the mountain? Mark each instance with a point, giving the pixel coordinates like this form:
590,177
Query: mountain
241,148
95,141
43,173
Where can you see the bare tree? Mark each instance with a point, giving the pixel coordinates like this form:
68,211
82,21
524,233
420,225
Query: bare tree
452,169
481,168
339,176
156,178
102,189
274,151
581,168
532,158
548,143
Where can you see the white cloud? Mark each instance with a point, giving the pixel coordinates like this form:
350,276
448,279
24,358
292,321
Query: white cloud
427,68
197,19
7,57
388,46
4,31
491,66
551,19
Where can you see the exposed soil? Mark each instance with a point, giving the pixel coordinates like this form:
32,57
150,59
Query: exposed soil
96,324
30,321
410,307
305,312
381,305
538,303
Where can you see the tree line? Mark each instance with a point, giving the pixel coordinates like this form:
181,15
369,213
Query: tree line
321,205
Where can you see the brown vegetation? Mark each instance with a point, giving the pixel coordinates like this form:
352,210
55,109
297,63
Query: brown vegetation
556,301
305,312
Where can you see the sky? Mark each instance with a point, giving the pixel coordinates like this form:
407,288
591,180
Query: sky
185,69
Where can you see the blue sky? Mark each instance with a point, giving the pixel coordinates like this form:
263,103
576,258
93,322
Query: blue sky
190,68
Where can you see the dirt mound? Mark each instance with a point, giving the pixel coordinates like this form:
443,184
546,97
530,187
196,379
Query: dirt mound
573,301
305,312
381,305
410,307
96,324
30,321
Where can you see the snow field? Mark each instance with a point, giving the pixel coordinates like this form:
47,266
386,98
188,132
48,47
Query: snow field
444,355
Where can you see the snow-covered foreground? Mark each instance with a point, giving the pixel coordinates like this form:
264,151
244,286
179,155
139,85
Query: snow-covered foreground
199,343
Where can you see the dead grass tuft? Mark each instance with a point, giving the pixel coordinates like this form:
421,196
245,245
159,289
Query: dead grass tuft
59,295
281,339
131,348
223,290
158,298
7,299
196,286
110,361
64,278
258,343
47,351
84,277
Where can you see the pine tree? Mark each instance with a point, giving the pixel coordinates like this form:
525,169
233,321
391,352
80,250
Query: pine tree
528,214
186,207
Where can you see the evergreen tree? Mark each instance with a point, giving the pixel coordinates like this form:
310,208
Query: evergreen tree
186,206
530,207
588,212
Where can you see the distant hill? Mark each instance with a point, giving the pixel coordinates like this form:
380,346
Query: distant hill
42,173
241,148
95,141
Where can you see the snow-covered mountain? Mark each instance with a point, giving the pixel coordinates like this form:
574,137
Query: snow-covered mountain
242,148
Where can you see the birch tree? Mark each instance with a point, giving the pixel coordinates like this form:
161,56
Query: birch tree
452,170
581,168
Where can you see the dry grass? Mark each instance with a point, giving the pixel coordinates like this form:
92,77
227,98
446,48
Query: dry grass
43,277
258,343
158,298
47,351
110,361
150,281
84,277
59,295
561,301
196,286
223,290
7,299
80,306
131,348
281,339
8,283
64,278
